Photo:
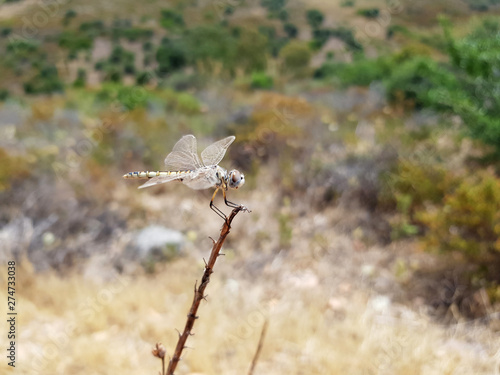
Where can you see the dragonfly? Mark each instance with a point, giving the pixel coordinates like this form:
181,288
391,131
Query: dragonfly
184,165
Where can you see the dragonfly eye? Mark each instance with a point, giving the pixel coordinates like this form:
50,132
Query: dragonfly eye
236,179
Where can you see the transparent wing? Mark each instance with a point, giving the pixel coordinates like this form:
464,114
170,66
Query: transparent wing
184,156
214,153
160,180
202,179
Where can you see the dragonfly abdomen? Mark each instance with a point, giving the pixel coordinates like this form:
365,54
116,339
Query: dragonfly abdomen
151,174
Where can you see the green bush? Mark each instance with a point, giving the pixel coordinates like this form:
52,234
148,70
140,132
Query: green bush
347,36
260,80
113,73
424,82
369,12
75,41
68,16
273,6
291,30
359,73
4,95
22,47
295,57
251,49
347,3
283,15
170,56
171,20
93,29
81,78
5,31
314,18
143,78
46,81
183,102
129,96
320,37
206,45
268,31
120,55
135,33
394,29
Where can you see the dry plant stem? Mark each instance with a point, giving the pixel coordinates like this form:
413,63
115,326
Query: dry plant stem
259,347
199,291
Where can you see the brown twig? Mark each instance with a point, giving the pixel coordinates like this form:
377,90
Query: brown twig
259,347
199,291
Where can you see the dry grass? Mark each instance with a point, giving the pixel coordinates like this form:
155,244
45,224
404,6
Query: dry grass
319,324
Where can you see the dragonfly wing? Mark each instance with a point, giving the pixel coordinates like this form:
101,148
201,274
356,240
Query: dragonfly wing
184,156
159,180
202,179
214,153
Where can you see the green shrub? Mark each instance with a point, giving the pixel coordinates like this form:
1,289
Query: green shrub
424,82
68,16
369,12
75,41
81,78
4,95
183,102
273,6
295,56
22,47
347,3
206,45
283,15
251,50
171,20
92,29
135,33
268,31
5,31
320,37
260,80
120,55
143,78
170,56
46,81
291,30
129,96
359,73
393,29
314,18
347,36
113,73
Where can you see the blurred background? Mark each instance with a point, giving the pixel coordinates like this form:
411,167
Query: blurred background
369,135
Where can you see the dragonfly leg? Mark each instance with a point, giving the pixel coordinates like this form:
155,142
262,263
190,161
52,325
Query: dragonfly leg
229,203
215,208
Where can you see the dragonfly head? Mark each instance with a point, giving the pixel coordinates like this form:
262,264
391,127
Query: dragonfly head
235,179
